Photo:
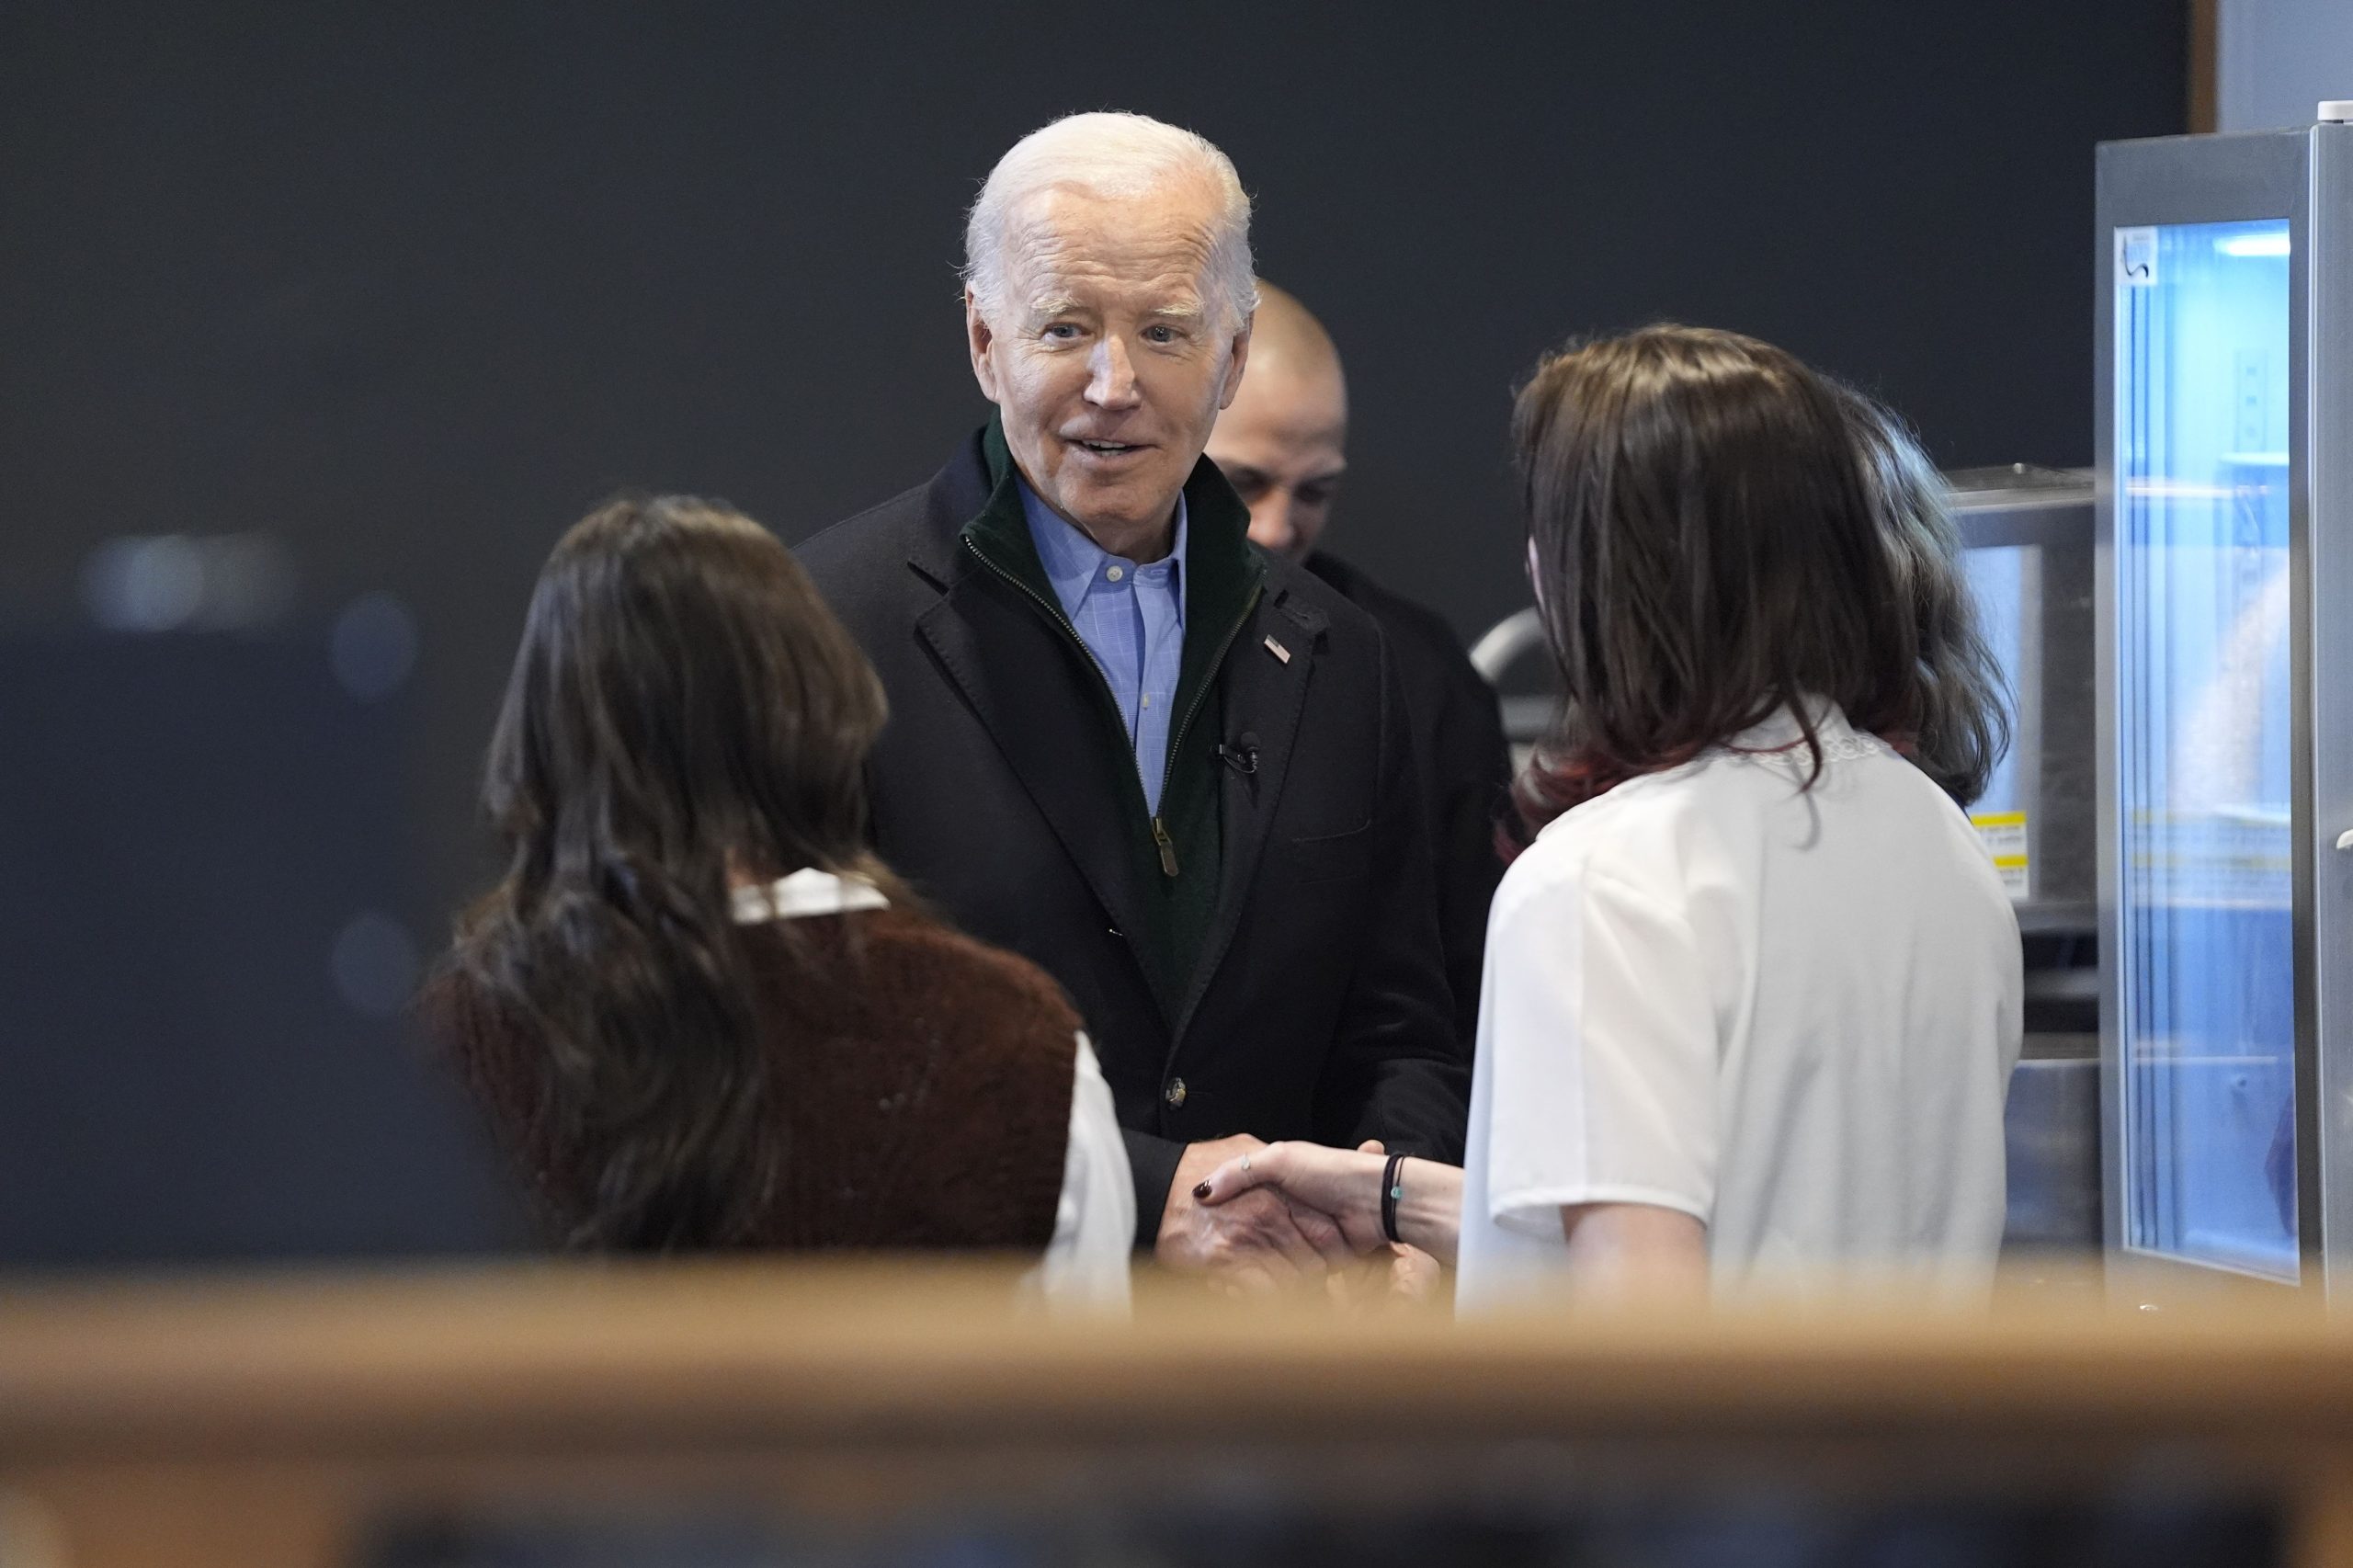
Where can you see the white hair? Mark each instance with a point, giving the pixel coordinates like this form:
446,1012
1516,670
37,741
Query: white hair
1115,156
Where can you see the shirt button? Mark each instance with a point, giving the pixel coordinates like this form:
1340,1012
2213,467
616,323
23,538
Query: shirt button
1115,573
1147,699
1174,1093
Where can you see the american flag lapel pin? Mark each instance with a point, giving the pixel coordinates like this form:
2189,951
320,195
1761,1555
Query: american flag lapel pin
1277,649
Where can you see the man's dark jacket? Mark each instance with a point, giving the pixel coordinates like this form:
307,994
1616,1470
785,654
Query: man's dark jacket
1463,762
1286,981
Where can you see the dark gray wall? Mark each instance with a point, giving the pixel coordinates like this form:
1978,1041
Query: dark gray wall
408,289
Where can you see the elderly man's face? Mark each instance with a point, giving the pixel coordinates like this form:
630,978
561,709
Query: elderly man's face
1108,358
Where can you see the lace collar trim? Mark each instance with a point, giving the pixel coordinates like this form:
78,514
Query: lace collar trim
1841,741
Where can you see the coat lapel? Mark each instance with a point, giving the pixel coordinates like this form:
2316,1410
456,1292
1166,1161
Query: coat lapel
1267,676
1037,696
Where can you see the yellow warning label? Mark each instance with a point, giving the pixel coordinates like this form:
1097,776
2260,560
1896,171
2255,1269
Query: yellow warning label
2003,836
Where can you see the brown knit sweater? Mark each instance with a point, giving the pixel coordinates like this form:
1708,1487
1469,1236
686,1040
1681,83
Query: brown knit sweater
926,1094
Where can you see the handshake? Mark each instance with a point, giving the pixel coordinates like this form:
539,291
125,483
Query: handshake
1261,1217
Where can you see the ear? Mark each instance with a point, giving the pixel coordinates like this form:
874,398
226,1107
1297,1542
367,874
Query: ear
1237,357
978,338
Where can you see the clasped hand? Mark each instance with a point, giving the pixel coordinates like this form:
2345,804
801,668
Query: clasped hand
1234,1213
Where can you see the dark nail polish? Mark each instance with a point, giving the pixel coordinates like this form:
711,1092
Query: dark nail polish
1202,1190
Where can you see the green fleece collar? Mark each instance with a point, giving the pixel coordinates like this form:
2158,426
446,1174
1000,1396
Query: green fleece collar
1223,573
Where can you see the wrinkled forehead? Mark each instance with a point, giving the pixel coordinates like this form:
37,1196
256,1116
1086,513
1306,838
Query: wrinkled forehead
1151,250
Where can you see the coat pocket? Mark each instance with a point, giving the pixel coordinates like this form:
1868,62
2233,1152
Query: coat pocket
1331,857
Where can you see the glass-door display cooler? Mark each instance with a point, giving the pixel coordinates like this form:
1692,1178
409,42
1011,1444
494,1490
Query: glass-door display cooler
2224,600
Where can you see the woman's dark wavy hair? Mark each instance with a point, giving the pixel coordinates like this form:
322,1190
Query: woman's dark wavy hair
684,706
1717,532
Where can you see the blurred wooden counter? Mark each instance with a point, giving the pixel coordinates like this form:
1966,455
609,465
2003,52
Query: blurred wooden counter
276,1422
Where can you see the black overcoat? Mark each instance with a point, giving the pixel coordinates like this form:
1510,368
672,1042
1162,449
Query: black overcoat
1463,769
1317,1007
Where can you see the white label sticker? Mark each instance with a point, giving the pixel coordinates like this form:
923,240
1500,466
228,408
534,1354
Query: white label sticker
2004,834
2136,257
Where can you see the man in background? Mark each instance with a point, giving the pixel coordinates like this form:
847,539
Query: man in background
1283,446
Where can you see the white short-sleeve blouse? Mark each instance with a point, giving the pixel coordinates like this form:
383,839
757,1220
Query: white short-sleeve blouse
1086,1264
1789,1013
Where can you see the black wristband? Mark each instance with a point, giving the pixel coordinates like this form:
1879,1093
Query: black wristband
1390,1193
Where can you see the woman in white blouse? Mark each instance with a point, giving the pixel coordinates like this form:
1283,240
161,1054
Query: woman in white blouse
1752,990
698,1012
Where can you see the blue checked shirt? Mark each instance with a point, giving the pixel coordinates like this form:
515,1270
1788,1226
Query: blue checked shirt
1132,619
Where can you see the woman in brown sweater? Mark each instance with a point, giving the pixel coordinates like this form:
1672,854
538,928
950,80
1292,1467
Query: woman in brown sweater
697,1011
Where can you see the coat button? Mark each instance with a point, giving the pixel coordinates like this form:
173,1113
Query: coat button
1174,1093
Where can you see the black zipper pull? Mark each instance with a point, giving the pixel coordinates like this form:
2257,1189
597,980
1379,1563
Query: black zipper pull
1168,849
